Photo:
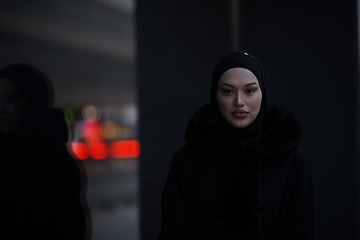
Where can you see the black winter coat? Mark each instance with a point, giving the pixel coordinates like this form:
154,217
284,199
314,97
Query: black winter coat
219,189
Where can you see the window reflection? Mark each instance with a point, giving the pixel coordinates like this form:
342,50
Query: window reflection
87,47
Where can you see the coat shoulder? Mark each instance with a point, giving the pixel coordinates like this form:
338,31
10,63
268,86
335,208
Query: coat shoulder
295,161
299,157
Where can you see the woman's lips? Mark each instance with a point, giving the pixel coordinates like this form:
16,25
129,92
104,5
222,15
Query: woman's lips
240,113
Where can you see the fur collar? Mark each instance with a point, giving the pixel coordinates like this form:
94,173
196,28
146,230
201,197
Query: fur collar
243,163
282,133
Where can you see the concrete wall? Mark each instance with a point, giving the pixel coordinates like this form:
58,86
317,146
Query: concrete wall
309,52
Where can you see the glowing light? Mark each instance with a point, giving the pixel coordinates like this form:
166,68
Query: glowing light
125,149
111,130
69,116
79,150
91,113
92,132
98,150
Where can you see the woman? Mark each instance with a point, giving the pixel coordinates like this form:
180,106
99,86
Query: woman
40,181
241,174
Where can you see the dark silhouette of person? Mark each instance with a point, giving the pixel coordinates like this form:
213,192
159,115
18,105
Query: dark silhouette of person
40,182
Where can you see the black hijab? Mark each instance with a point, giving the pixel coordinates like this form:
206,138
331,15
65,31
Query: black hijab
36,86
240,60
39,93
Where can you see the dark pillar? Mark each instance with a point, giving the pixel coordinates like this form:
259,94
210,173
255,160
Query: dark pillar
178,44
309,52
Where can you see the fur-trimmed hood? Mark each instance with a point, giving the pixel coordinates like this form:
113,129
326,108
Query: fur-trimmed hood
281,134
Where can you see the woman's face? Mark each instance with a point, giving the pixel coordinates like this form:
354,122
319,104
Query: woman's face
12,106
239,97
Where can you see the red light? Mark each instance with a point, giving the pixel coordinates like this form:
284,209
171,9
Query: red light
79,150
98,150
92,131
125,149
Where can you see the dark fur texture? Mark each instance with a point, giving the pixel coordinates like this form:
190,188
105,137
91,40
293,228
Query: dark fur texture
244,163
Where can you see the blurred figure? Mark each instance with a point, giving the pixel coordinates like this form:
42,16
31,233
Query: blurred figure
40,182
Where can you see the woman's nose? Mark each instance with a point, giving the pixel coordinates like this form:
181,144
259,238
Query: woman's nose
239,100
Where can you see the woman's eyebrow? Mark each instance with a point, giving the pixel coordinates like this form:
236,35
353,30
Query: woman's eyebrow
226,85
250,84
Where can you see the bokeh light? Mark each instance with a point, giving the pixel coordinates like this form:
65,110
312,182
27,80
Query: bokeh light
125,149
111,130
79,150
98,150
91,113
92,132
69,116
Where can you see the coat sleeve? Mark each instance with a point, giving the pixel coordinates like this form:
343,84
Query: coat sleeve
176,214
300,221
66,218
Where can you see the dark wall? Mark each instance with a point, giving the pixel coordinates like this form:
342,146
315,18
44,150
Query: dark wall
178,45
309,54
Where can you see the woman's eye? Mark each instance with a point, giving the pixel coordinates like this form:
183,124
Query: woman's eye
228,91
250,91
